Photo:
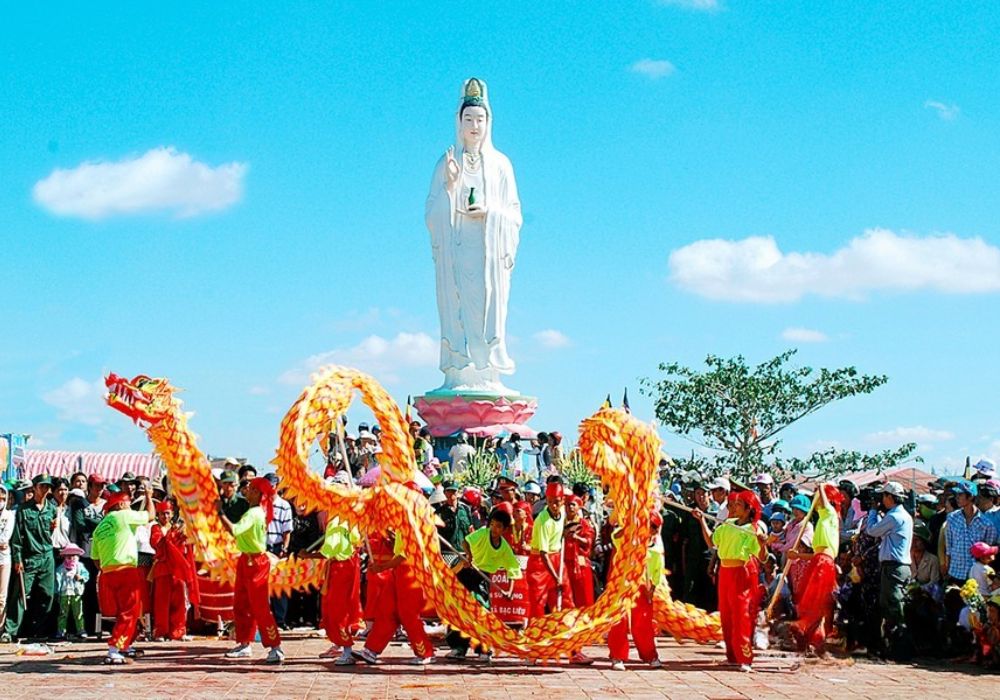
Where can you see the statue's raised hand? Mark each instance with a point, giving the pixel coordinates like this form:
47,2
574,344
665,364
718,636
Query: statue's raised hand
451,169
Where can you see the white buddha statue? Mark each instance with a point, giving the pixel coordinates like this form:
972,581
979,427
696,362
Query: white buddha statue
474,217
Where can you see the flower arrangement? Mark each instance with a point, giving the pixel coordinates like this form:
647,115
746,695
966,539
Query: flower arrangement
481,470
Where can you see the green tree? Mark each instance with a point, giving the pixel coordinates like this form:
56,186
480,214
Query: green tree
737,411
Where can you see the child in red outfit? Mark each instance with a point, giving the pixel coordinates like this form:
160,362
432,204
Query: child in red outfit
173,570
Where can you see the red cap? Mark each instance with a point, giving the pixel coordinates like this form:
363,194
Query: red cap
472,496
574,499
554,490
981,549
164,507
505,507
524,507
114,499
96,479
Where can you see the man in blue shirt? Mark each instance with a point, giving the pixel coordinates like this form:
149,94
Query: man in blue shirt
964,528
894,529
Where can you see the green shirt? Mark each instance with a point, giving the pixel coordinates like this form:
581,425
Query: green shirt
826,533
235,507
490,559
735,541
339,540
251,531
32,536
547,533
114,542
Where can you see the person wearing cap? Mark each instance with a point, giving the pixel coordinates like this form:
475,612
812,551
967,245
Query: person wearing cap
546,571
116,549
173,572
341,591
763,484
460,453
982,555
814,596
719,488
964,527
985,469
578,542
251,606
532,492
71,577
924,567
234,505
640,618
799,505
893,526
456,517
506,489
33,563
986,502
739,546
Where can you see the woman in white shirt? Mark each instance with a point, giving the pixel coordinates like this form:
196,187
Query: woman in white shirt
6,530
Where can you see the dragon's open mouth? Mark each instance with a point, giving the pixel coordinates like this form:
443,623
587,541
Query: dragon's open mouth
136,397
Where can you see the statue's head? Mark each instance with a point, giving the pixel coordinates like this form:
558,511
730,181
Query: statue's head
473,115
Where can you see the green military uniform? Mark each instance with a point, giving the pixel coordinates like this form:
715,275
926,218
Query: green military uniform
235,507
31,545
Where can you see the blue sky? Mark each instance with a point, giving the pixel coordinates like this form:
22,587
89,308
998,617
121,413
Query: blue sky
696,178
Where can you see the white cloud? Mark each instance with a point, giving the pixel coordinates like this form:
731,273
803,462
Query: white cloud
552,339
162,179
700,5
945,111
258,390
78,401
755,270
652,69
376,355
918,434
804,335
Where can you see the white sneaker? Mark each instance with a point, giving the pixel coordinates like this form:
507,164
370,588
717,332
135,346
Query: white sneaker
456,654
421,661
114,657
618,665
240,651
345,659
746,668
655,663
366,655
275,656
333,652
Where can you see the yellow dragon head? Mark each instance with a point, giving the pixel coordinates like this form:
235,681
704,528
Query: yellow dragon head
145,400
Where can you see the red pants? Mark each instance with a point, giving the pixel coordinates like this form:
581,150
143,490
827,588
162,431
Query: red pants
169,612
581,580
815,601
739,599
121,598
643,634
400,603
374,585
251,603
341,599
543,588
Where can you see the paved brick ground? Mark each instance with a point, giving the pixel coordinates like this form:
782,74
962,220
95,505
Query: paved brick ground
196,670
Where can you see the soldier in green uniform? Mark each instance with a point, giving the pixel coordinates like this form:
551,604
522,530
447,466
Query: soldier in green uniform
233,503
33,562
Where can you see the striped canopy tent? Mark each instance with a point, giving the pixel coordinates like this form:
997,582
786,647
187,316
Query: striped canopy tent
110,465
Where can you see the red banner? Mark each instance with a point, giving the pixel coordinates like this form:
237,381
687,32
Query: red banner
513,609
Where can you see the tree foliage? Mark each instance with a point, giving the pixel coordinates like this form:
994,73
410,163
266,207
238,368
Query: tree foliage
737,411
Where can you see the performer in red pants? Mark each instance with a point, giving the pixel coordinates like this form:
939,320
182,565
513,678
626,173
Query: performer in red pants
548,579
341,601
400,603
578,542
815,599
173,570
740,547
640,620
115,548
251,604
